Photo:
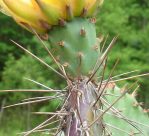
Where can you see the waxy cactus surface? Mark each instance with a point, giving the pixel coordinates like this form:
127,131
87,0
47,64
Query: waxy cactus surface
68,27
126,117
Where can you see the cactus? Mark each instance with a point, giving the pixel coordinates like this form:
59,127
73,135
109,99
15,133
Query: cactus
126,117
71,53
68,26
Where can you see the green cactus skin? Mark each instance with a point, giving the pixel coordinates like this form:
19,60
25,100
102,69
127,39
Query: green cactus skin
75,46
129,107
82,113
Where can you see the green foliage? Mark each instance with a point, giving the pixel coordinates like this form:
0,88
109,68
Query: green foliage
10,30
16,71
129,20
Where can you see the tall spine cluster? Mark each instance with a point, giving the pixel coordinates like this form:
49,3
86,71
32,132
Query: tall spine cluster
92,106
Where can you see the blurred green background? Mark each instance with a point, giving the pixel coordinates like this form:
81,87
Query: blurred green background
128,19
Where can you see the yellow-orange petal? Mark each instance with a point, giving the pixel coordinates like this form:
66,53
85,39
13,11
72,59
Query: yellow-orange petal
4,9
25,9
53,9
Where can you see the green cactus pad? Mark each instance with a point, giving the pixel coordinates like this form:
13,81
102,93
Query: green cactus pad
129,108
75,46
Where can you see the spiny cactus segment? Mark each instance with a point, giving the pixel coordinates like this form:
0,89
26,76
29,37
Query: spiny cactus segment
75,46
89,106
126,117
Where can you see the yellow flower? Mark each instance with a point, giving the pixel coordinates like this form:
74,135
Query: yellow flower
42,14
26,13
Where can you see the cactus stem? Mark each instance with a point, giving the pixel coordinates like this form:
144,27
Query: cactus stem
85,103
79,104
47,49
